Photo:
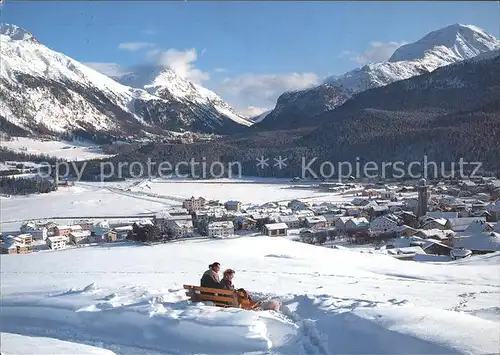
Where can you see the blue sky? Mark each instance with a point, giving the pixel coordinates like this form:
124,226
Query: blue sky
248,52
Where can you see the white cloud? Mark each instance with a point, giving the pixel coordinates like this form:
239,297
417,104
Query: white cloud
264,89
182,63
149,32
344,54
377,52
153,53
135,46
107,68
252,111
253,94
250,94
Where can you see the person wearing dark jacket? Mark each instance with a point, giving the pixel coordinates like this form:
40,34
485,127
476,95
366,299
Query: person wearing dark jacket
241,296
227,284
210,278
227,280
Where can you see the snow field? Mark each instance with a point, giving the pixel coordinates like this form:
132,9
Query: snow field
124,297
59,149
20,344
75,201
89,198
252,191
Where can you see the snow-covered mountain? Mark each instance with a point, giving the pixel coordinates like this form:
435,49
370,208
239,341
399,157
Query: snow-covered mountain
259,117
16,33
166,84
456,41
448,45
43,91
447,113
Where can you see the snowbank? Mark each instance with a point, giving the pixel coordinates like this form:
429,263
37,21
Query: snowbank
133,317
389,329
26,345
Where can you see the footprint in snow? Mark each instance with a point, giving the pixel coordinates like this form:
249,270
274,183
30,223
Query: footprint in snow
173,290
397,303
110,297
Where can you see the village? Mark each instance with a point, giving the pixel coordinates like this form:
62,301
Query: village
422,221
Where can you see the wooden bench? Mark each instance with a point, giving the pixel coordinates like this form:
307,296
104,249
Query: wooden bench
221,298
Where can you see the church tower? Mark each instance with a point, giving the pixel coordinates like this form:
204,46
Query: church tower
422,198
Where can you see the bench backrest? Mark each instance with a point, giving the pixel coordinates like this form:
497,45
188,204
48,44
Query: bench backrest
222,298
199,289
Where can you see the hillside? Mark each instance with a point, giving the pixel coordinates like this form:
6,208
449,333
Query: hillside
130,300
450,113
439,48
195,107
46,92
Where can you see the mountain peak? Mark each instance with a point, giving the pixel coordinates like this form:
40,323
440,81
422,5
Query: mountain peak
15,33
167,84
463,41
47,91
448,45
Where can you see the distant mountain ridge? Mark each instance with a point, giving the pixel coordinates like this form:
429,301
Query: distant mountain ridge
259,117
458,40
439,48
449,114
166,84
43,91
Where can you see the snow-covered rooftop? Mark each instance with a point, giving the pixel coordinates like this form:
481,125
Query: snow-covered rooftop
486,241
275,226
221,224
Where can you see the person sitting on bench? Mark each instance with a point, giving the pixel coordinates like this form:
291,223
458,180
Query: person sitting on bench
227,284
227,280
241,297
210,278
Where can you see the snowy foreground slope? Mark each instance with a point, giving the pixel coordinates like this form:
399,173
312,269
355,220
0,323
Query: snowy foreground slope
129,299
20,344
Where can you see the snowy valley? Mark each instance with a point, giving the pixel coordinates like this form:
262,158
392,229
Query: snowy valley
127,297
